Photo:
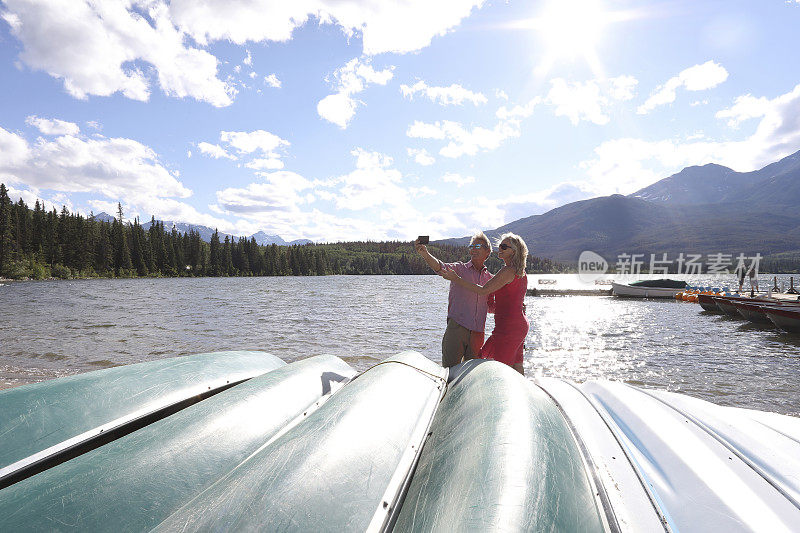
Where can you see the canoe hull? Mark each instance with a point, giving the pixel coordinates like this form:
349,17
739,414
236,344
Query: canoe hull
707,302
752,312
784,319
409,446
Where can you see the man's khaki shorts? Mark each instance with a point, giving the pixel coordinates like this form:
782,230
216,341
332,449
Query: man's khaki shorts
459,344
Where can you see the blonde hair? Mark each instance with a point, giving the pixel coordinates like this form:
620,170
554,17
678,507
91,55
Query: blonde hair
480,236
520,251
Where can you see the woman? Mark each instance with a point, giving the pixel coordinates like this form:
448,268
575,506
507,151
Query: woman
509,286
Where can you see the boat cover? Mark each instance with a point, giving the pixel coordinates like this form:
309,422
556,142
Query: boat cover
661,283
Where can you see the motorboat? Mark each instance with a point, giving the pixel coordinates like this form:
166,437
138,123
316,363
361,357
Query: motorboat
243,441
784,317
707,302
661,288
725,304
752,311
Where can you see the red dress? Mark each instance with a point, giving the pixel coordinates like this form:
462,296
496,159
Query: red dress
510,324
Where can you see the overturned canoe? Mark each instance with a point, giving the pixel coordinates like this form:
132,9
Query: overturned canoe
405,446
49,422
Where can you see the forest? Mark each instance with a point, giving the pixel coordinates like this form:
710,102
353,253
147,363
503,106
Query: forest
41,244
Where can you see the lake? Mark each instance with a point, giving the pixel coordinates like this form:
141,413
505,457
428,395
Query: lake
50,329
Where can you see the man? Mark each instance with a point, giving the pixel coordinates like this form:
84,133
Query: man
466,311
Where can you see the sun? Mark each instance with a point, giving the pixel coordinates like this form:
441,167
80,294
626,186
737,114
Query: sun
572,29
569,30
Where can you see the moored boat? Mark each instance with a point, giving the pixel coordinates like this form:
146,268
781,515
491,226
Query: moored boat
707,302
725,304
662,288
784,317
752,311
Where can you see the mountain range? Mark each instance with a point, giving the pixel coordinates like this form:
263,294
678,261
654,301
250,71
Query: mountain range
701,209
205,232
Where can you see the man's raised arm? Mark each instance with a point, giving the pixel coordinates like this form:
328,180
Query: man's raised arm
422,250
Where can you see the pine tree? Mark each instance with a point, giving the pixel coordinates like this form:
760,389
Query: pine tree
37,236
137,249
104,251
227,254
122,254
216,256
177,252
5,230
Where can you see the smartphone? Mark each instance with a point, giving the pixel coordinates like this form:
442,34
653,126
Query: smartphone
423,239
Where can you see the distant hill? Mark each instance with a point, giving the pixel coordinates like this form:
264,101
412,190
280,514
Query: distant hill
205,232
694,185
777,184
263,238
702,209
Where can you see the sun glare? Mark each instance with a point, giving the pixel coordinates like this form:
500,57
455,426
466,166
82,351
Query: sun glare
572,29
569,30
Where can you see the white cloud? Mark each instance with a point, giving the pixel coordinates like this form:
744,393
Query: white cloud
249,59
53,126
591,100
455,94
215,151
518,111
458,179
270,163
696,78
281,191
464,141
255,141
14,151
417,192
477,213
351,79
273,81
627,164
372,183
337,108
118,168
501,94
538,202
266,149
421,156
744,108
101,48
384,27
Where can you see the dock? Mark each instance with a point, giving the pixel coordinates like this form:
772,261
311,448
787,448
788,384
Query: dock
568,292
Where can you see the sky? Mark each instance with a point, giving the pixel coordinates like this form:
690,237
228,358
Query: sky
338,120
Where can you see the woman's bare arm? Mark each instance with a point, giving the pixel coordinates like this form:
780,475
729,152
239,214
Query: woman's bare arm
501,279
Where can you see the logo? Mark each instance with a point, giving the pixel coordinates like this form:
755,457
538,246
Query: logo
591,266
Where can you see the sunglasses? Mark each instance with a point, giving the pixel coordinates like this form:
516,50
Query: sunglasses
476,246
503,246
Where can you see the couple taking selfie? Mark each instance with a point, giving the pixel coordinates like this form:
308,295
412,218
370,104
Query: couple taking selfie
474,291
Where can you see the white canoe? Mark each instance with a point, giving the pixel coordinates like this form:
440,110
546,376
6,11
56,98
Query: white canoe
633,291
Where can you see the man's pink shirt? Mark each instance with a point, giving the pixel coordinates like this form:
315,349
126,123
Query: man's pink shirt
466,307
